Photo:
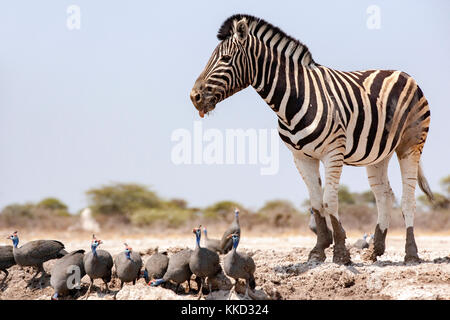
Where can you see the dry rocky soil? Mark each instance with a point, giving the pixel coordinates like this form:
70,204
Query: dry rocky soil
282,270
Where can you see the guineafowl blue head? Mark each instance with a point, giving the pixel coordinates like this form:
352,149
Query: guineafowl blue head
235,238
365,236
15,238
198,234
128,251
95,243
236,212
205,231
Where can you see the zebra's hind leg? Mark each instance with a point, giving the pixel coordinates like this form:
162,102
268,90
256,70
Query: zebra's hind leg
409,166
379,183
309,170
333,168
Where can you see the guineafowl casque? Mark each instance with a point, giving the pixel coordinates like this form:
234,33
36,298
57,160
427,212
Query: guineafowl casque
97,264
178,270
212,244
361,243
35,253
6,259
239,266
226,243
128,265
204,263
156,266
71,265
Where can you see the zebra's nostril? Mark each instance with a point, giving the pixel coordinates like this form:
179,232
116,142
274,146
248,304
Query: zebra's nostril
197,97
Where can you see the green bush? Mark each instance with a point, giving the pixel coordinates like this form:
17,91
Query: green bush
279,213
54,206
18,210
175,203
221,209
440,201
169,217
122,199
345,196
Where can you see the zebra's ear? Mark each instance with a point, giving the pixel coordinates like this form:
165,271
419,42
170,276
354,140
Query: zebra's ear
241,30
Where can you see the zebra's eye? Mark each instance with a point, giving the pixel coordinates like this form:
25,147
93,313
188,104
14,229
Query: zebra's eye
225,58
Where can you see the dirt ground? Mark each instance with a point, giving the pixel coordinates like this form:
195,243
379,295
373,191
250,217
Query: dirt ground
282,270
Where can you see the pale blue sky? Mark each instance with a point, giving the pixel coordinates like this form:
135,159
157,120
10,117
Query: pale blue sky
87,107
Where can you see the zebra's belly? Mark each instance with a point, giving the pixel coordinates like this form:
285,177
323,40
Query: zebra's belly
357,159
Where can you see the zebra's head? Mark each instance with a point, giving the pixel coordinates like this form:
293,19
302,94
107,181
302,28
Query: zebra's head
227,70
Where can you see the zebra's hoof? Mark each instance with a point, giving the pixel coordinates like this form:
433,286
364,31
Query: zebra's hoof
412,259
317,255
341,255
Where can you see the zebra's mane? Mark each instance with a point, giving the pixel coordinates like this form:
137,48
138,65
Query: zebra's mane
226,30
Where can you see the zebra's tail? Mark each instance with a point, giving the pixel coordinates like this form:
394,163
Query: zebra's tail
423,184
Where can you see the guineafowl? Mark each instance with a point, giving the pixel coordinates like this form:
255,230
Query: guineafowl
156,266
212,244
6,259
361,243
204,263
178,270
35,253
128,265
226,243
70,266
98,264
370,241
239,266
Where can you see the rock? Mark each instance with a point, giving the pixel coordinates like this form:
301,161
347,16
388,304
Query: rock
142,291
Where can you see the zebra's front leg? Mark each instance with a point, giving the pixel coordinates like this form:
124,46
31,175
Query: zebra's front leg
309,170
333,168
379,183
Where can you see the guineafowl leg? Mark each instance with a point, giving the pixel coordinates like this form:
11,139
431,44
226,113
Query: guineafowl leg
246,289
107,288
34,276
121,284
233,289
200,292
89,289
176,289
43,274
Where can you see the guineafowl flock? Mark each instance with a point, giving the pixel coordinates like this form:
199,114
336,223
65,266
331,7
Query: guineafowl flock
203,261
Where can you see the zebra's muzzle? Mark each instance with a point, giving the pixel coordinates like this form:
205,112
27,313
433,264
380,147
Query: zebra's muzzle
204,103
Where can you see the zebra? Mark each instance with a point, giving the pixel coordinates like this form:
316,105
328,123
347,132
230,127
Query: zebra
357,118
